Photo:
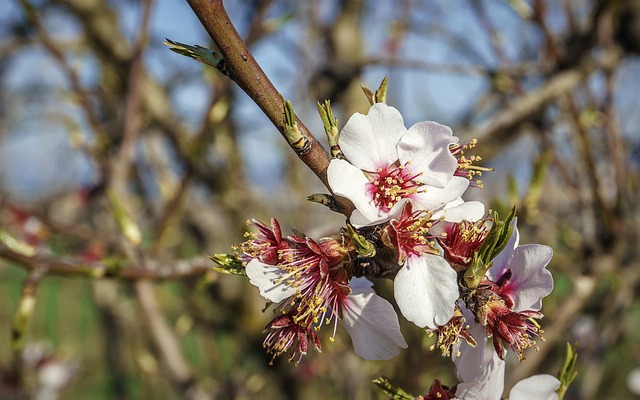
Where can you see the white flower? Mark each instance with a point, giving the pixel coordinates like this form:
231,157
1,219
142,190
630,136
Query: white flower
482,371
489,385
389,165
511,299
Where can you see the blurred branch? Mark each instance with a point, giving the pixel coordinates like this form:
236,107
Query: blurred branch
251,78
497,46
584,287
84,100
131,125
74,266
167,342
501,125
21,319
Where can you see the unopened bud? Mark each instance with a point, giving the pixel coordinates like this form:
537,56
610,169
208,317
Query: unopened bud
297,141
228,264
380,96
330,127
363,247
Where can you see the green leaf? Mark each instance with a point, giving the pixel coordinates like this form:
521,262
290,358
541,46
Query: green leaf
391,389
198,53
568,372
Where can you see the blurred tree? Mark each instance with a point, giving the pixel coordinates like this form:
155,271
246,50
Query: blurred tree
124,165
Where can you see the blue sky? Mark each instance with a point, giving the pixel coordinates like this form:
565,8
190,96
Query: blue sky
37,159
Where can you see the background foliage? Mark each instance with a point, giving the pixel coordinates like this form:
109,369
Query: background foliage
105,133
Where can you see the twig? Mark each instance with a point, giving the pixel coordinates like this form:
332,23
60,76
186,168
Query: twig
167,343
251,78
21,319
501,124
74,266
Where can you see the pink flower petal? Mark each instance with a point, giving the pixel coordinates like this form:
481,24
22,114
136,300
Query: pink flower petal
488,386
348,181
470,360
501,261
433,198
530,281
464,211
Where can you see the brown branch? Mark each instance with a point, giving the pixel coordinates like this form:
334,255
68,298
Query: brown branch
74,266
246,72
57,53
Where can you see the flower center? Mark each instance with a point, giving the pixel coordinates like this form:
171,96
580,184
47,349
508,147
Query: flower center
388,185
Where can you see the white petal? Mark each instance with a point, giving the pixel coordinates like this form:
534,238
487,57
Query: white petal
488,386
501,261
433,198
538,387
426,147
369,141
530,281
348,181
426,290
360,284
372,324
465,211
268,278
470,361
358,219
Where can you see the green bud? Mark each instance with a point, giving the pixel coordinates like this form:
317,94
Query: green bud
199,53
568,372
16,245
128,228
21,320
228,264
392,390
297,141
495,242
364,248
380,96
324,199
330,127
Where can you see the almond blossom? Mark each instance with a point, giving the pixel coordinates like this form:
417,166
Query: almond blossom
482,374
311,288
425,287
387,165
518,281
508,301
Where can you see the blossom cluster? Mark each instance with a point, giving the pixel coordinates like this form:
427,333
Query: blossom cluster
458,270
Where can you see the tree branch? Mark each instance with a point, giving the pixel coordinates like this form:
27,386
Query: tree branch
73,266
500,127
246,72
